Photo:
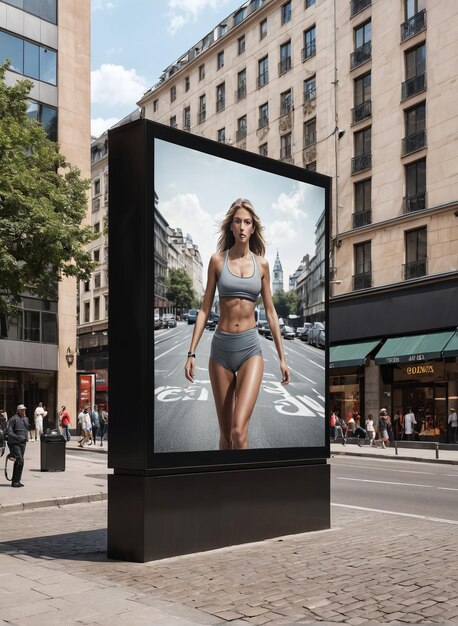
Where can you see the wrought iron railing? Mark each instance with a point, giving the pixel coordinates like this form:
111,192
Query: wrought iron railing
358,5
361,162
414,25
361,55
413,85
416,269
362,281
362,111
415,202
362,218
414,142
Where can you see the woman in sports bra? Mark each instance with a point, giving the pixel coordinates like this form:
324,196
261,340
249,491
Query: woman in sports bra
236,366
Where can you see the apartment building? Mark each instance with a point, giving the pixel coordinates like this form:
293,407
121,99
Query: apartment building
362,91
49,43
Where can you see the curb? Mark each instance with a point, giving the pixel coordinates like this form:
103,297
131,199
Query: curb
418,459
59,502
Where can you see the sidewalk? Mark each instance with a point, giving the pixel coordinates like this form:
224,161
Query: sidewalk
407,454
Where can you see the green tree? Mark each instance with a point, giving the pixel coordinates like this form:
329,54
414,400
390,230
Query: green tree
43,201
179,289
285,303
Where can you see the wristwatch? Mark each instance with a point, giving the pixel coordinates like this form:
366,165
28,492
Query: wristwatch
193,354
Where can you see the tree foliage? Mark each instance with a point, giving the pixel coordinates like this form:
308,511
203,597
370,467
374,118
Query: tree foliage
285,303
43,201
179,289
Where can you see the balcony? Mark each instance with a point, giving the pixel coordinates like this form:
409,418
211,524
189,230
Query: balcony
362,111
361,162
362,281
414,142
263,121
240,93
413,85
414,25
415,202
262,80
201,116
358,5
362,218
309,50
220,104
416,269
284,66
361,55
240,133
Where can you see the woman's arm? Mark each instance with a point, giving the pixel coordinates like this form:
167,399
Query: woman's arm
202,316
272,318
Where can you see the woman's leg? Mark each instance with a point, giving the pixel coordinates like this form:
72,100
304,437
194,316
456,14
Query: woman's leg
249,378
223,386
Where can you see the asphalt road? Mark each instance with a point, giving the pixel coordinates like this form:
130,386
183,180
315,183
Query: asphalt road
185,418
411,488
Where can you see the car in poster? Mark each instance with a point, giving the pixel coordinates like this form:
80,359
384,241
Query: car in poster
288,332
314,333
169,320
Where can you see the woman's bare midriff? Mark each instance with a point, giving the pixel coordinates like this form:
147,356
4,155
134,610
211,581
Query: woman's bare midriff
236,315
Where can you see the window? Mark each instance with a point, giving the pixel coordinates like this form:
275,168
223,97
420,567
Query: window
220,97
363,45
28,58
48,327
286,12
309,3
263,71
155,106
363,158
173,121
310,89
285,146
241,44
415,22
97,281
309,43
285,58
416,253
46,115
415,68
106,306
173,93
202,71
309,133
263,149
363,212
220,60
241,85
412,7
415,125
221,135
87,312
96,187
263,115
31,325
363,266
96,309
362,95
97,227
263,28
415,199
187,118
87,286
187,83
96,254
286,102
46,9
202,110
241,128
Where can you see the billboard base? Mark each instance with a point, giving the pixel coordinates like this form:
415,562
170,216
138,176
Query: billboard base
155,517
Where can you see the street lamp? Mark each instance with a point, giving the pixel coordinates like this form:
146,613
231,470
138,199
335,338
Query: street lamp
69,357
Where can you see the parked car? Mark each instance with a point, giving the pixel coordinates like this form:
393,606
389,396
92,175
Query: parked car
266,331
184,316
305,332
321,342
157,322
169,321
212,321
287,332
262,324
192,316
314,333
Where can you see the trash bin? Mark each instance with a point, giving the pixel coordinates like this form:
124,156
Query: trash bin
52,452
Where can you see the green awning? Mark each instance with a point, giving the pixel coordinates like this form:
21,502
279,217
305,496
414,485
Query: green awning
413,349
351,354
451,349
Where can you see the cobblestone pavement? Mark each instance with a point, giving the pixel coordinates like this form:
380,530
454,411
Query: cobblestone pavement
369,568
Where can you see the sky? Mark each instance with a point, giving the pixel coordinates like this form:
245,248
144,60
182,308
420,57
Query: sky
133,41
288,209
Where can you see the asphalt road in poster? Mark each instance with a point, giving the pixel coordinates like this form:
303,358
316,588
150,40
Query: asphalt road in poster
185,418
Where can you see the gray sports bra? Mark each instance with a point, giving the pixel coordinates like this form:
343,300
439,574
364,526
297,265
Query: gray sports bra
232,286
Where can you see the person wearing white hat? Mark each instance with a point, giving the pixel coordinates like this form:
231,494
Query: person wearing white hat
17,431
453,423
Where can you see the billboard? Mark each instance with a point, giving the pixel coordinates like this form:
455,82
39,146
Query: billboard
266,406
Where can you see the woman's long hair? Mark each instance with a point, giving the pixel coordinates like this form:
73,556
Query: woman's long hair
226,239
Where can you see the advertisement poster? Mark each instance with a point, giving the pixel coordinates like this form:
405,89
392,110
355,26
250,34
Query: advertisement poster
193,192
86,395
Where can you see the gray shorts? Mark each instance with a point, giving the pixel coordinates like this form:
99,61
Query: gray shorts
231,350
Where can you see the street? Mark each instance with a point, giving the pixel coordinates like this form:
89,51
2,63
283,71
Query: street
185,417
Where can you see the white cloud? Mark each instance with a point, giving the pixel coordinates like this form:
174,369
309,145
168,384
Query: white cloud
182,12
102,5
99,125
114,85
292,204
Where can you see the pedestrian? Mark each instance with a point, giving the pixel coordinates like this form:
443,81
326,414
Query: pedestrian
95,423
241,272
103,424
409,424
389,428
39,414
332,425
398,424
453,423
84,419
370,429
17,430
65,420
339,430
383,427
3,419
351,426
359,430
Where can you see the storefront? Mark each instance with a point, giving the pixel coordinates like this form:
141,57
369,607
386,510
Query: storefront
30,388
